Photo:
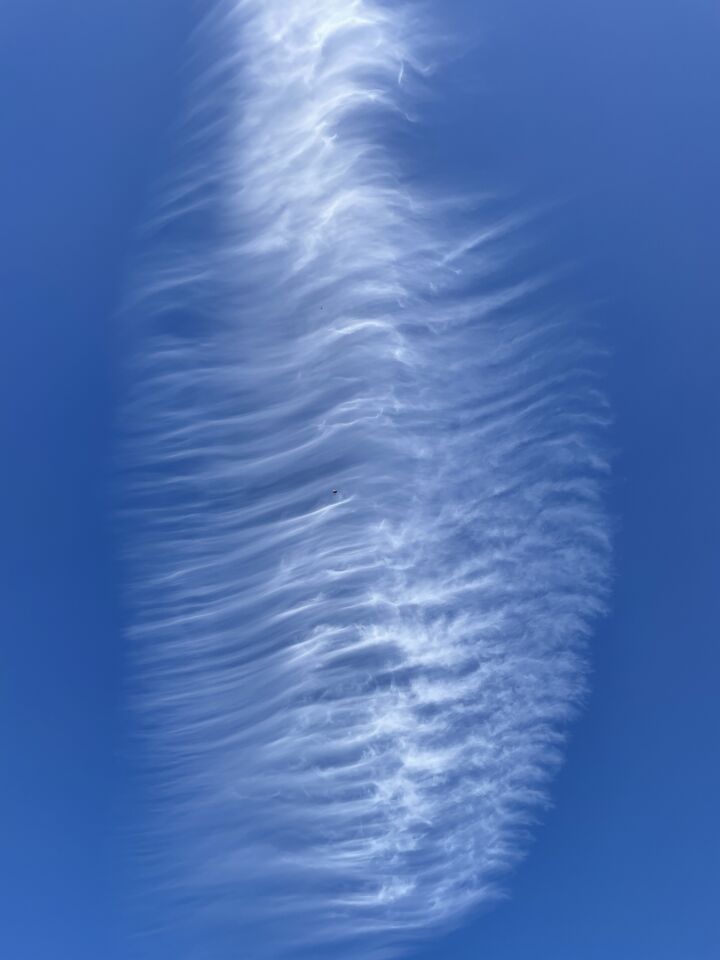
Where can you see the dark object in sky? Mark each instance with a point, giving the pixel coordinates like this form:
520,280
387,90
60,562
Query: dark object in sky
334,492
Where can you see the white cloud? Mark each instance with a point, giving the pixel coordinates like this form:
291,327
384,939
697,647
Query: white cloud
353,698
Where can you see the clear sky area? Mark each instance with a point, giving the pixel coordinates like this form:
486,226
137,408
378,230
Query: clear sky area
597,118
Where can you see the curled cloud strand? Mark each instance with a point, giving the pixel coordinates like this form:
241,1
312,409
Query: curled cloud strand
371,535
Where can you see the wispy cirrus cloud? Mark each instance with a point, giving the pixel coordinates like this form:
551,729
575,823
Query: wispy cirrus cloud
371,534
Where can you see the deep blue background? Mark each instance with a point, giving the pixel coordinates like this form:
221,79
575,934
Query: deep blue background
609,110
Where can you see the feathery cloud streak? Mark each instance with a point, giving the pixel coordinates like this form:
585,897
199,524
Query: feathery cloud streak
372,533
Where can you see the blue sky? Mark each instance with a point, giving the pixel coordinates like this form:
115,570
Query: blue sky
603,112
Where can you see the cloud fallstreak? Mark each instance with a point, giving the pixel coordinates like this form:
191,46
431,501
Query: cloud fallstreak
370,537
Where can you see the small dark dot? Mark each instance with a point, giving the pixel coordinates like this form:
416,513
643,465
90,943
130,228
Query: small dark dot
334,491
